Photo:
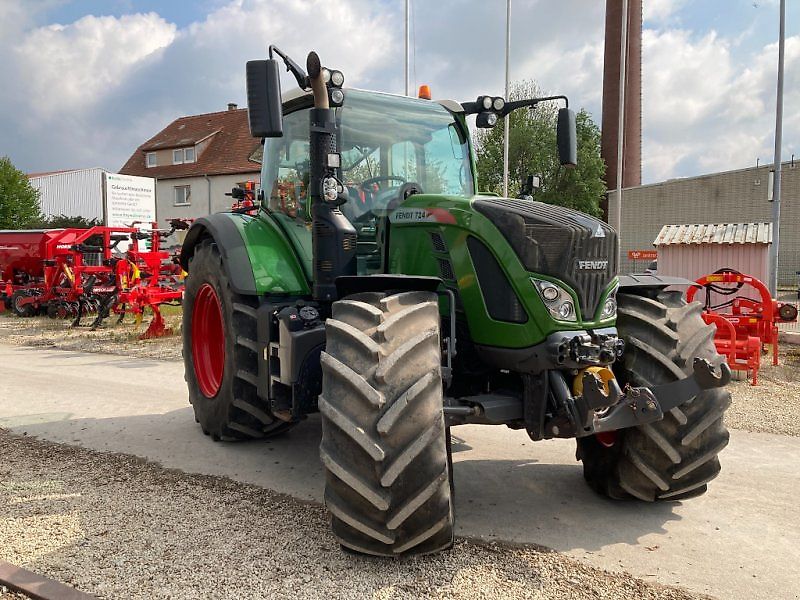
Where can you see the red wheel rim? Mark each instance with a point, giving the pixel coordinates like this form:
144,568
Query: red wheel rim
208,340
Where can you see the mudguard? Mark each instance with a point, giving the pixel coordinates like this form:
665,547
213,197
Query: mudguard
257,256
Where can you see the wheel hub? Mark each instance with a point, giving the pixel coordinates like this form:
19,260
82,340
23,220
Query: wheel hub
208,340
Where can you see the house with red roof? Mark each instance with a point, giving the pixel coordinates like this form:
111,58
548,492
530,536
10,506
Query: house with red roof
196,160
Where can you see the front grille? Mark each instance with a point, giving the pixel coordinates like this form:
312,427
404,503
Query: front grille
499,297
557,241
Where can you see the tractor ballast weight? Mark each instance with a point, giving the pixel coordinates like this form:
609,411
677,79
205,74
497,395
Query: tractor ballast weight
376,287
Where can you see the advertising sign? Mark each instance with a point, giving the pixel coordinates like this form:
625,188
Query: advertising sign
128,199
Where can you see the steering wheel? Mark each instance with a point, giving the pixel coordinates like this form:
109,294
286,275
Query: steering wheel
387,178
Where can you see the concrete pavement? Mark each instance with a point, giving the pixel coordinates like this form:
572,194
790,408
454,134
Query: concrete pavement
741,540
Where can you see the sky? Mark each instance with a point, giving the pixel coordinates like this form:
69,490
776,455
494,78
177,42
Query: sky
83,83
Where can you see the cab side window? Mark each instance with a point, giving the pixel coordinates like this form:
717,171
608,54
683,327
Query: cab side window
288,169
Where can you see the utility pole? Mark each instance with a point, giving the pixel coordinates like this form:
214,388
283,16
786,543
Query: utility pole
615,217
776,187
507,120
408,9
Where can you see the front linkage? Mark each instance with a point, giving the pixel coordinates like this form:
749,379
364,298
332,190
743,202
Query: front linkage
598,410
601,407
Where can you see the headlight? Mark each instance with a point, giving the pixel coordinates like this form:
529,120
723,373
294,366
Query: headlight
609,306
487,102
337,78
337,96
557,300
550,293
498,103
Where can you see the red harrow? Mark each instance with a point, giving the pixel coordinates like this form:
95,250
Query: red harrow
746,326
75,273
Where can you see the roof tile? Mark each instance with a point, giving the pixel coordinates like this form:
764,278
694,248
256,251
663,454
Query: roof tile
718,233
229,150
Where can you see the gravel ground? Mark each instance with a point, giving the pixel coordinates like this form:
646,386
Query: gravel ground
773,405
119,527
110,338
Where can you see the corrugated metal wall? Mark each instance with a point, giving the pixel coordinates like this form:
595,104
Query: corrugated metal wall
730,197
72,193
692,261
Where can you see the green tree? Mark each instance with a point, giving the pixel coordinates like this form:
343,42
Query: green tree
532,150
63,221
19,200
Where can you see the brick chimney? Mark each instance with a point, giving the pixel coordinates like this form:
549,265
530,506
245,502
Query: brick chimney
232,106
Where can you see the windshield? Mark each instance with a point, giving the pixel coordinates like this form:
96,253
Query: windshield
385,142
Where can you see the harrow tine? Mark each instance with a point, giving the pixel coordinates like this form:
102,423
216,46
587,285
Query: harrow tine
78,314
157,327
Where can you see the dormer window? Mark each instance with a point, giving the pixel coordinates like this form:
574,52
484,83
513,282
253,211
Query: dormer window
151,160
183,155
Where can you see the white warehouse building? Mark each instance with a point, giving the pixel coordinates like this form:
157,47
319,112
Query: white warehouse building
74,193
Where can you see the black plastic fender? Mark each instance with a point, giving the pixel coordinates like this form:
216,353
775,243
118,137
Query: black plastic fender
235,259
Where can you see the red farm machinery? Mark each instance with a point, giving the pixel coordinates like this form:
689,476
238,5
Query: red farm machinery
95,272
746,317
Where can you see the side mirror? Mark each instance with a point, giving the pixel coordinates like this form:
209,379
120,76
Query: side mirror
264,98
567,137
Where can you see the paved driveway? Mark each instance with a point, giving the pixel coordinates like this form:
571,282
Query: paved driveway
741,540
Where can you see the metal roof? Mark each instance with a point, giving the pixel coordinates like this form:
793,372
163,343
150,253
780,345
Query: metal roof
717,233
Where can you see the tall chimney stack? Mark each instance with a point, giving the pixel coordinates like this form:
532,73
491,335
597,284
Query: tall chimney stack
632,146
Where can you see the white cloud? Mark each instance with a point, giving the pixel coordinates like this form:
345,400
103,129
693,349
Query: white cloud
69,67
660,10
88,93
703,112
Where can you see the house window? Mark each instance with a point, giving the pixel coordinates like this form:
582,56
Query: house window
182,155
183,195
151,159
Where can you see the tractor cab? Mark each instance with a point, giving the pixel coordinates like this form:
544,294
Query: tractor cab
391,147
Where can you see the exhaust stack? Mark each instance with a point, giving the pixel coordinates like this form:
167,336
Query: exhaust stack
333,237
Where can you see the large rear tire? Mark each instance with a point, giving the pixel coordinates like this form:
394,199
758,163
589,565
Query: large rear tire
220,353
384,443
675,458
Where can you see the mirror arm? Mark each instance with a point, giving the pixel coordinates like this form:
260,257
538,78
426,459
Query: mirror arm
530,103
471,108
292,67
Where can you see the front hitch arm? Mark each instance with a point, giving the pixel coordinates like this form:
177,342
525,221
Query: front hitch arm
640,405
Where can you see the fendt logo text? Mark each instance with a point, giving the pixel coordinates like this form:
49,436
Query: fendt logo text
592,265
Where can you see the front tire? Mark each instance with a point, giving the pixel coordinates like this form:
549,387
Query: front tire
220,353
384,447
675,458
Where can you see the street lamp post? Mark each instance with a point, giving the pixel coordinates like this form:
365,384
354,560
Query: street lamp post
776,187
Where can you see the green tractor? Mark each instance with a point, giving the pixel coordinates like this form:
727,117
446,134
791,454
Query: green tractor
376,286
